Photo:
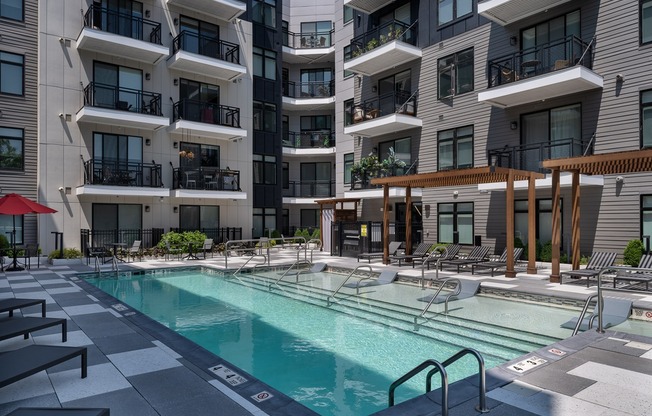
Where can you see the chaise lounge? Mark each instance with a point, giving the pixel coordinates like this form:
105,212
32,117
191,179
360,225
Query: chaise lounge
419,253
598,261
18,364
394,246
476,255
498,264
13,327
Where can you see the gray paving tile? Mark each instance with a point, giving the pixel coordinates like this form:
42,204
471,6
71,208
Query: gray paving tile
33,386
47,400
630,400
102,378
615,359
113,344
95,357
554,379
131,363
84,309
120,402
205,404
98,325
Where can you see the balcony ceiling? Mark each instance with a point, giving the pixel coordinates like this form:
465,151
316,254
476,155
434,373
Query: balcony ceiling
308,56
542,87
211,131
121,118
199,193
116,45
377,193
367,6
222,9
382,58
383,125
107,190
313,151
505,12
202,65
309,104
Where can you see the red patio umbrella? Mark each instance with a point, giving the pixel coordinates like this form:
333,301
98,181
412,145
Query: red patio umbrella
14,204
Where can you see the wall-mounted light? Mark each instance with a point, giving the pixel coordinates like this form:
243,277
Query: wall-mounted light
148,142
176,21
620,77
146,208
374,89
455,194
175,145
175,210
148,76
620,179
147,13
175,81
513,41
375,150
513,125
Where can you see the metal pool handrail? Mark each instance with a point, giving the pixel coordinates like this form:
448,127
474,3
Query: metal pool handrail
584,310
234,242
456,291
251,258
296,263
332,295
425,262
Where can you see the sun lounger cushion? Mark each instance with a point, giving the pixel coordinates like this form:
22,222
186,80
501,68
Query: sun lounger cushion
44,411
385,278
18,364
614,312
467,289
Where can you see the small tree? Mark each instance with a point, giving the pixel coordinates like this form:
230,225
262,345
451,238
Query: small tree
633,253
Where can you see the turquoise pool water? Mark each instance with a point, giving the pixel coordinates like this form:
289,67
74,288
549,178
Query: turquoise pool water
332,362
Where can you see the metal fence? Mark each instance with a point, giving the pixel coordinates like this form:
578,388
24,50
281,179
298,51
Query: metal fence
353,238
107,238
219,235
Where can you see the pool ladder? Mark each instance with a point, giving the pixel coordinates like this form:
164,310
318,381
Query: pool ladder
254,256
295,264
455,292
357,289
441,369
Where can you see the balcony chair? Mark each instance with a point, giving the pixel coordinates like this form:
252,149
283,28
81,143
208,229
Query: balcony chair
190,183
135,251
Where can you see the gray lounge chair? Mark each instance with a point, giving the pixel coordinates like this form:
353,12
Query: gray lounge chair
419,253
464,289
385,278
11,304
476,255
63,411
498,264
23,362
208,247
394,246
614,312
637,277
451,252
13,327
598,261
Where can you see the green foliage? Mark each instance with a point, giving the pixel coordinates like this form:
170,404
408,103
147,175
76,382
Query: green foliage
4,243
633,252
537,250
302,233
315,234
181,240
68,253
546,252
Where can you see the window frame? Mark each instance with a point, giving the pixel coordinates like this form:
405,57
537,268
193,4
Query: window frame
455,213
200,209
264,164
348,160
267,58
22,148
643,106
267,113
117,213
642,210
455,17
538,211
267,13
452,67
7,229
455,140
22,10
315,213
263,212
13,64
640,14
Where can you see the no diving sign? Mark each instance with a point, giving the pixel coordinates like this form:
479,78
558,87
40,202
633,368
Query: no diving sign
262,396
228,375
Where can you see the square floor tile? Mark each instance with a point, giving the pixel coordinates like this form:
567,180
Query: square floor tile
136,362
101,378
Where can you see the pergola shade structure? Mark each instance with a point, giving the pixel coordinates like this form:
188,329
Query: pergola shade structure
604,164
460,177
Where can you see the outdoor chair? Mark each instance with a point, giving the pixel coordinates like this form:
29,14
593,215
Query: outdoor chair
11,304
419,253
476,255
614,311
96,252
23,362
135,251
394,246
63,411
500,263
451,252
174,251
208,247
385,278
15,326
31,250
598,261
638,277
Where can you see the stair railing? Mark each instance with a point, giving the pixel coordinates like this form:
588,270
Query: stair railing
456,291
285,273
427,259
332,295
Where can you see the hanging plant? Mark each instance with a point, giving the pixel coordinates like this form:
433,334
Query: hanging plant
186,155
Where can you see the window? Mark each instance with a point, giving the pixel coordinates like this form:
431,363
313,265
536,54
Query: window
312,123
393,92
286,175
117,217
200,37
316,179
264,117
544,220
11,148
455,148
316,34
264,11
7,227
199,101
117,148
197,217
455,223
455,74
402,151
122,17
127,81
12,9
646,21
316,82
264,221
203,155
264,63
449,10
309,218
551,30
348,14
348,112
646,119
646,217
348,164
264,169
12,73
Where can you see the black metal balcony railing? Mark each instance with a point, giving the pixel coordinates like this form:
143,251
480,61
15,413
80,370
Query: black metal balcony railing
385,33
313,89
529,156
206,178
193,110
123,24
309,139
363,180
206,46
308,40
310,189
542,59
122,173
401,102
124,99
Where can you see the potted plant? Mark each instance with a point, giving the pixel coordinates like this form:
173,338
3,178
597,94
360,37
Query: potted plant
390,165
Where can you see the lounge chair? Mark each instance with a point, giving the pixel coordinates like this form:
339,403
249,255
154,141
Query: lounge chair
449,254
135,251
637,277
476,255
394,246
208,247
419,253
598,261
464,289
13,327
385,278
169,250
62,411
318,267
614,311
498,264
11,304
23,362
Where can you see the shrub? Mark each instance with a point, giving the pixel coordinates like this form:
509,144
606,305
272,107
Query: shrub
68,253
546,252
537,251
4,243
181,240
315,234
633,252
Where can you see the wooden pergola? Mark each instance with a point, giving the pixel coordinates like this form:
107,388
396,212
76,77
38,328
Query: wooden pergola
460,177
338,215
605,164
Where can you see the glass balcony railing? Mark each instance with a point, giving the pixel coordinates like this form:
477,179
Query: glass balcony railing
401,102
206,46
122,173
529,156
310,189
309,40
313,89
125,99
385,33
309,139
203,112
122,24
206,178
542,59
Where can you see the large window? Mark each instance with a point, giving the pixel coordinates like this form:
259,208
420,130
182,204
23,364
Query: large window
455,223
449,10
7,227
117,86
455,74
117,217
122,17
312,123
393,91
203,155
646,217
11,148
550,30
264,63
264,221
348,14
197,217
348,112
309,218
264,169
401,150
264,117
646,21
264,11
316,179
348,164
543,217
316,82
12,73
286,175
646,119
12,9
200,37
116,148
455,148
316,34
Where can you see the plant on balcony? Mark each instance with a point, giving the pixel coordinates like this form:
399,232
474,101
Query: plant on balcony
366,168
390,165
326,139
186,155
372,44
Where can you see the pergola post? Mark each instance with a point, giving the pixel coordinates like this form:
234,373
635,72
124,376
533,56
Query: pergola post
575,220
556,227
408,220
509,271
531,226
386,224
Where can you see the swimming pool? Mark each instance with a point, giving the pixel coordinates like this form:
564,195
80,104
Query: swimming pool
338,360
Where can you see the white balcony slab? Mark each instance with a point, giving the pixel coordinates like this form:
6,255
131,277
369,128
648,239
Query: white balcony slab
308,55
200,193
565,181
383,57
297,201
117,45
310,151
367,6
309,103
542,87
505,12
377,193
202,65
121,118
222,9
108,190
212,131
383,125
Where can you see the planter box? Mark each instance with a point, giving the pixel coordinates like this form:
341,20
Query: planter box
66,262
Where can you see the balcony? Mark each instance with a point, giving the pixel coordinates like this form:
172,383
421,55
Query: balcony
546,71
386,114
222,9
505,12
122,177
206,182
317,142
315,95
206,56
389,45
367,6
124,107
123,35
530,156
298,191
310,47
206,119
361,182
